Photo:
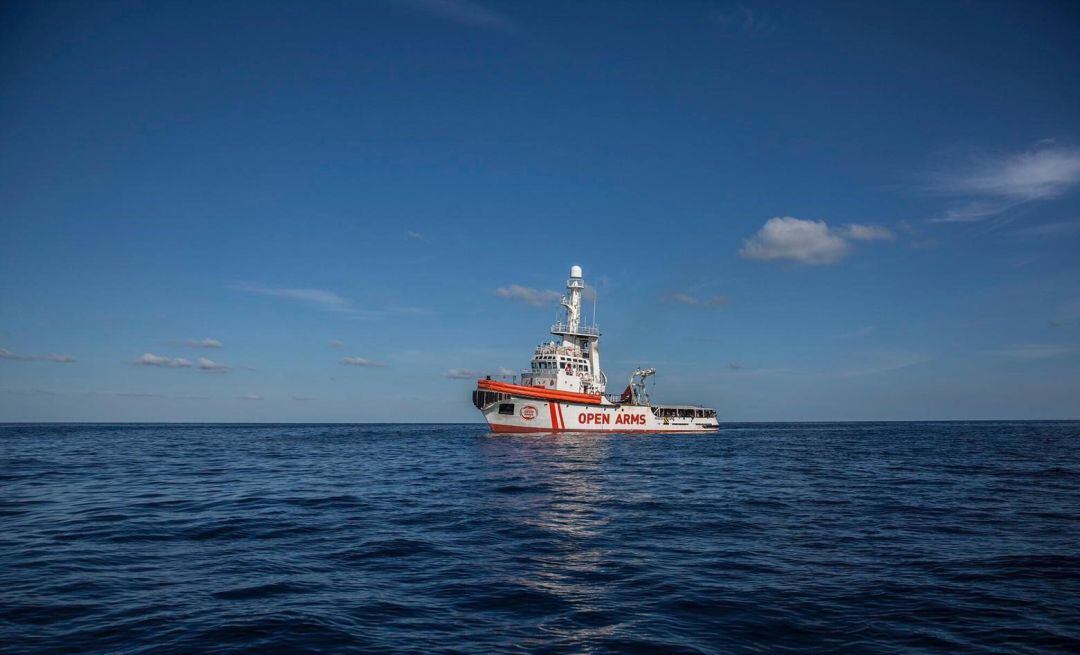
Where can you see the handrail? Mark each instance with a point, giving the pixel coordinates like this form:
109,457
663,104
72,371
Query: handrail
564,328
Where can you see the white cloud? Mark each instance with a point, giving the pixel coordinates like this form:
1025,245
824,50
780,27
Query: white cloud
302,399
534,297
150,359
504,372
251,396
414,235
463,12
210,366
856,232
202,343
711,302
462,374
1032,351
51,357
337,345
360,361
785,237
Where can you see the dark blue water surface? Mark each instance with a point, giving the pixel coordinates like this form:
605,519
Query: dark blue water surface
875,538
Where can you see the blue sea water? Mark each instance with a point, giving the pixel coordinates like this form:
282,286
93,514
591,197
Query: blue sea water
856,537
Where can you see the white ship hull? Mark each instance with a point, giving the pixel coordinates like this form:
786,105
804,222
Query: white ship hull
531,415
530,411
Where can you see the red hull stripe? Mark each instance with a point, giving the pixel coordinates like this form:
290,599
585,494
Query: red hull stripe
507,429
554,417
538,392
562,420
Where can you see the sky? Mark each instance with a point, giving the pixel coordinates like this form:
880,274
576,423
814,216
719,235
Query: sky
347,211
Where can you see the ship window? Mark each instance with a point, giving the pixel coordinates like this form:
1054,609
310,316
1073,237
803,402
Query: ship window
506,408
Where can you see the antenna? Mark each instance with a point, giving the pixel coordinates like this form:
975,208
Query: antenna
594,295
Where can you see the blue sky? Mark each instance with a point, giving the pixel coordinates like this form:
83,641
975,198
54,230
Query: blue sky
335,211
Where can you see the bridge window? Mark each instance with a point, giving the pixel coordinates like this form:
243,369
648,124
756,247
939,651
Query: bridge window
506,408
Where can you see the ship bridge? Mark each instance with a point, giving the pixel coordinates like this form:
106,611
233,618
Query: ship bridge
574,364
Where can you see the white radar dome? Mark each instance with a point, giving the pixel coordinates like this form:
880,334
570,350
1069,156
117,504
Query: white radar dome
575,271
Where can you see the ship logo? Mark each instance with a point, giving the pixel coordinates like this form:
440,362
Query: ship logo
528,412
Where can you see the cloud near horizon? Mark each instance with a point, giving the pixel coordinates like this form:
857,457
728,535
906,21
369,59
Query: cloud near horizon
1033,351
202,343
462,374
467,374
209,366
150,359
51,357
807,241
528,295
361,361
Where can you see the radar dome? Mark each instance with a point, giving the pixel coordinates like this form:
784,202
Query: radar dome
575,271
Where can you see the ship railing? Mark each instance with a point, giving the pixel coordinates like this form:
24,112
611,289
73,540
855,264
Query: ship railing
586,330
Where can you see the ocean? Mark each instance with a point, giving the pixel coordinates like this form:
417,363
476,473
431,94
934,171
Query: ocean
762,538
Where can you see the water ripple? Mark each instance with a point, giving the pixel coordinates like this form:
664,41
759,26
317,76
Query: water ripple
836,538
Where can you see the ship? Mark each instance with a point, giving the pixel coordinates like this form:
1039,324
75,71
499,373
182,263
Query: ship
564,388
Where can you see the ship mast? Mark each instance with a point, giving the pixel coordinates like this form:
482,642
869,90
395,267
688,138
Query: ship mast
573,333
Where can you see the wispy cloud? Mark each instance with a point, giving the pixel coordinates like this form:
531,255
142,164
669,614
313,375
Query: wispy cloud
150,359
1048,230
336,344
51,357
326,300
303,399
858,332
251,396
463,12
1033,351
321,298
857,232
884,363
1068,312
993,185
528,295
361,361
807,241
201,343
740,18
210,366
414,235
708,302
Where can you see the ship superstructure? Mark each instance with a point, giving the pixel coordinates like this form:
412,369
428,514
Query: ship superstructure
564,387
